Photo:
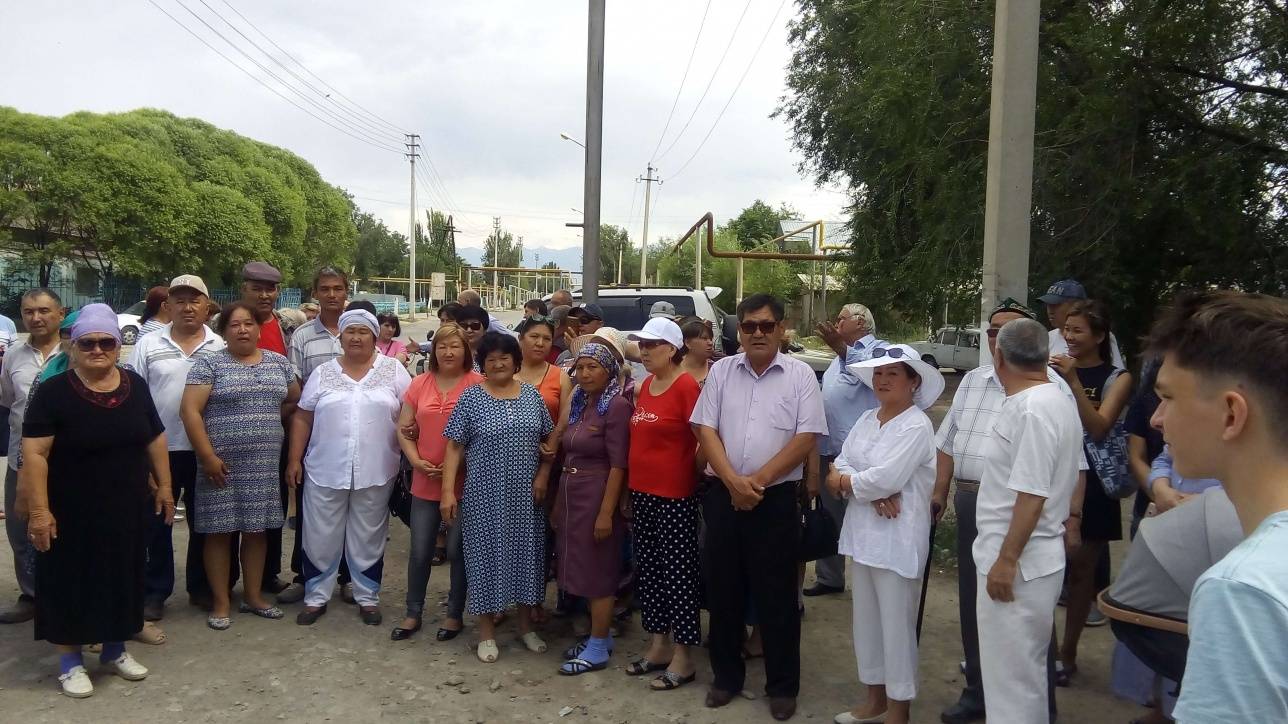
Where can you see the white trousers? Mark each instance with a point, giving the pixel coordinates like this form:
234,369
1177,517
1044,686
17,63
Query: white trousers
885,629
348,524
1013,642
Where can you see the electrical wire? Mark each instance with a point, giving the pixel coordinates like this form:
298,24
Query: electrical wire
714,73
745,71
275,91
683,78
373,129
391,126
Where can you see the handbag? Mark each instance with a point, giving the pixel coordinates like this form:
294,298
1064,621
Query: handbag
819,534
1108,457
400,496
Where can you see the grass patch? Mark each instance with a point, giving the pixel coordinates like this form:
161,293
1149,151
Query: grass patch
944,550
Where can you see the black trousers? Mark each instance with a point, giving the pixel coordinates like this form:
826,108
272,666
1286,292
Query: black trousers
754,552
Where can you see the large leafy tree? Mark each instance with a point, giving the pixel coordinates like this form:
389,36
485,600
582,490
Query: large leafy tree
1162,136
147,195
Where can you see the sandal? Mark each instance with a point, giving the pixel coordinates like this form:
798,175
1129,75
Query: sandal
272,613
577,667
151,634
440,557
219,623
1064,674
642,666
488,652
532,642
578,648
670,680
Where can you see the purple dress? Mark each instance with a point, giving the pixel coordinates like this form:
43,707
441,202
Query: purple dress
587,567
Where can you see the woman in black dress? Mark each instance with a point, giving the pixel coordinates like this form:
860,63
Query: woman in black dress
90,439
1102,392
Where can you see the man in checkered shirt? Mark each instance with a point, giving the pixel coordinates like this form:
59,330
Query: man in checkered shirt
961,437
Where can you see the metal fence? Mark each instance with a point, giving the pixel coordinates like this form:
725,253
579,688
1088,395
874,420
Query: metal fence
119,296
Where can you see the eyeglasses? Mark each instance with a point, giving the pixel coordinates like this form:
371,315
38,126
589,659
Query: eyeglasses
472,326
106,344
765,327
891,352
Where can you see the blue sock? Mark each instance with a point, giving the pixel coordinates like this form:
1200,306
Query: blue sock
111,651
67,662
597,649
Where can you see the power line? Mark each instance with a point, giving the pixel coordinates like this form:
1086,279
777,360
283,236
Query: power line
746,70
275,91
683,78
368,126
714,73
391,126
286,85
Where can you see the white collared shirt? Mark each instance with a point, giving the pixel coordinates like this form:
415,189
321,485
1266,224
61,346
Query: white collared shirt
22,365
163,364
881,460
1034,448
355,424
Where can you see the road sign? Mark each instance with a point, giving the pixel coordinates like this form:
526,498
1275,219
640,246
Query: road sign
438,285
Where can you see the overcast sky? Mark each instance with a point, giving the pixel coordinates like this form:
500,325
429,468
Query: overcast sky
488,85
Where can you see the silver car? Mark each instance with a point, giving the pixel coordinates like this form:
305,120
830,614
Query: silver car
952,347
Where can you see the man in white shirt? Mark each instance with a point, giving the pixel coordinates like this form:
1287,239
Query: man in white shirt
42,312
1059,299
1224,415
1030,473
163,360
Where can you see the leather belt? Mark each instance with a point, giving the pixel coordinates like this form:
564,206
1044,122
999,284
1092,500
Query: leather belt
574,471
968,485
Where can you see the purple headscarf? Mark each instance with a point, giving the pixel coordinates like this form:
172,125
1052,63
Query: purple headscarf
606,359
96,318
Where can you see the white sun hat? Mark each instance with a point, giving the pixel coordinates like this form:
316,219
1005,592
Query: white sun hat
932,382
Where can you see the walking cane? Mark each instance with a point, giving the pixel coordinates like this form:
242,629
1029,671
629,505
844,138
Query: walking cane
925,579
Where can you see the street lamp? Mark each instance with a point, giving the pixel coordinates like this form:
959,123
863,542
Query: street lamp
566,137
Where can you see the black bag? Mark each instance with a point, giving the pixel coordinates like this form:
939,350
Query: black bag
400,496
819,533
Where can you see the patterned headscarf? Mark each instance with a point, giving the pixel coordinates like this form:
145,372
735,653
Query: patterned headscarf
606,359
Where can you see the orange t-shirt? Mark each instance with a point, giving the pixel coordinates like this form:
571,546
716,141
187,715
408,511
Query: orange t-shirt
433,409
551,389
663,446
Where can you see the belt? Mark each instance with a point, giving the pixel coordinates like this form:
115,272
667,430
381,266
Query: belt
968,485
596,469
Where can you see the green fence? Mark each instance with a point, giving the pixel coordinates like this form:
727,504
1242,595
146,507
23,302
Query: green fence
119,296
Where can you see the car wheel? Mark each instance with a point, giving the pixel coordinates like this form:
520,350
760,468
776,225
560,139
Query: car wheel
930,360
129,335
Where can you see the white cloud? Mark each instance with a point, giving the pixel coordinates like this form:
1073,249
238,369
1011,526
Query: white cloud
488,85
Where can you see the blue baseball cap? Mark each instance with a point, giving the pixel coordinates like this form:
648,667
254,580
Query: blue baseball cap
590,311
1065,290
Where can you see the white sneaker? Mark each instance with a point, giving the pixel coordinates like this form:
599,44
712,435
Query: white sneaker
76,683
129,669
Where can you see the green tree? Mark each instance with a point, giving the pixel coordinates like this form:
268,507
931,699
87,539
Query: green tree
1162,137
758,223
380,251
501,249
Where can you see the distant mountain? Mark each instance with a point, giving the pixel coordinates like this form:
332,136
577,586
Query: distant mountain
568,259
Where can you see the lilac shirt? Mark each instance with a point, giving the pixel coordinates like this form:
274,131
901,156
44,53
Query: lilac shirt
757,416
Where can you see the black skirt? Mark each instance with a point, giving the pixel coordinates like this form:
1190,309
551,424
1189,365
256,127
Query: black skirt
1102,516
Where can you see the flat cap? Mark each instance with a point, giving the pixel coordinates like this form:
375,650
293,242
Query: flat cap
261,271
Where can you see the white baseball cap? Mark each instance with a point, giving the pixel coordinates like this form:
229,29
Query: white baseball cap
660,329
189,281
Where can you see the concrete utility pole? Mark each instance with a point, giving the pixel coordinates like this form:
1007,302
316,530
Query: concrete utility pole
1009,186
594,150
412,155
496,253
648,188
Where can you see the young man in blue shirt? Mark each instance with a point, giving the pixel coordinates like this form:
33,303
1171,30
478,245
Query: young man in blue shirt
1224,414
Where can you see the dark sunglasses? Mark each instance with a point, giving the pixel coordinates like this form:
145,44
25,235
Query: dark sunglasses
652,343
891,352
766,327
106,344
472,326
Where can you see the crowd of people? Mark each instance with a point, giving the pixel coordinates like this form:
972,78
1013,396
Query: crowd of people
650,468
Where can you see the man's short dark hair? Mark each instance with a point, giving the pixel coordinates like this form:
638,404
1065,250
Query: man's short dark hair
538,305
757,302
362,304
31,294
330,271
472,313
449,310
1220,333
498,342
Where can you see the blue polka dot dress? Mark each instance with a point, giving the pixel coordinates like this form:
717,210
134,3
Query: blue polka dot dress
503,531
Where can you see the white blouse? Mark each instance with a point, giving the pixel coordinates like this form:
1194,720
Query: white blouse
881,460
355,424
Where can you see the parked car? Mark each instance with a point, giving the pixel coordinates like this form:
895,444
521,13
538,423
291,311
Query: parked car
954,347
128,321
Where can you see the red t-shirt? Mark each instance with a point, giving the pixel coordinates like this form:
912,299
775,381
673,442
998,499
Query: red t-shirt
663,446
270,336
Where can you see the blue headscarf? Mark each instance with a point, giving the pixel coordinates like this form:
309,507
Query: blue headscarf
606,359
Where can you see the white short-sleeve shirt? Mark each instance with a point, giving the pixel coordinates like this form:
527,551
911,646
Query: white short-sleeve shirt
1035,448
355,424
162,363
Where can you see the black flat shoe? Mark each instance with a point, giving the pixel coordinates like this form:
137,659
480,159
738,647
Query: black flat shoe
402,634
370,615
308,616
447,634
819,589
